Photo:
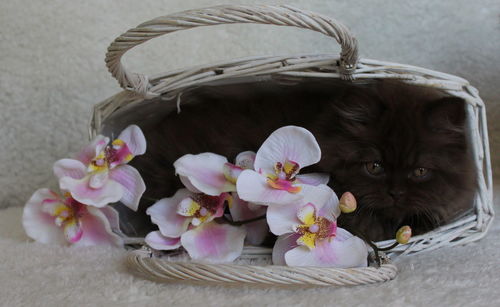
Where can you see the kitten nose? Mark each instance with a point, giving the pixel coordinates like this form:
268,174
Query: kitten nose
397,193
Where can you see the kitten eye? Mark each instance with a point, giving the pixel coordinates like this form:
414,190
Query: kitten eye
420,173
374,168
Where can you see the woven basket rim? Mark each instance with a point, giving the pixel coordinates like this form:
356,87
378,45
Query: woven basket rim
141,262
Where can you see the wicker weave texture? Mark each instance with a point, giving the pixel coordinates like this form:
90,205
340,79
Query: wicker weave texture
169,271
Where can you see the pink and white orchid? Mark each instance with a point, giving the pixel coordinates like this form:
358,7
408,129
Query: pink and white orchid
276,179
210,242
187,219
175,214
212,174
214,243
53,219
100,176
309,236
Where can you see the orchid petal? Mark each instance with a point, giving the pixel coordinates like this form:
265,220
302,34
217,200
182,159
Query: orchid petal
245,159
282,219
307,214
159,242
313,178
40,225
253,187
283,244
343,251
325,201
164,214
287,143
185,181
80,190
69,168
205,172
98,179
96,229
135,140
113,217
133,185
72,230
90,151
214,243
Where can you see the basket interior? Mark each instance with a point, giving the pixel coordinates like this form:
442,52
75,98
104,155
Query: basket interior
149,113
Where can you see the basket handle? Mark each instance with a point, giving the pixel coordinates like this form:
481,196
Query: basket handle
226,14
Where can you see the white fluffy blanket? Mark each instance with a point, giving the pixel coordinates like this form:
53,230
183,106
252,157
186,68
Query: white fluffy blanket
40,275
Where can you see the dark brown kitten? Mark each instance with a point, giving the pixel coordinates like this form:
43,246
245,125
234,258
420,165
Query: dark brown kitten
401,150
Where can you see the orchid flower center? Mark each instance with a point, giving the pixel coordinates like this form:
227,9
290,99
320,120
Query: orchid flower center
63,212
315,228
201,207
67,214
111,156
73,209
284,176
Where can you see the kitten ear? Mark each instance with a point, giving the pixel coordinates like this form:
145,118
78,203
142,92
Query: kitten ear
447,113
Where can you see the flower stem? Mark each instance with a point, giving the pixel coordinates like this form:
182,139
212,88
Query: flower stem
388,247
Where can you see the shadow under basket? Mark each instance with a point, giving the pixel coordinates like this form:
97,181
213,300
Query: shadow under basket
146,100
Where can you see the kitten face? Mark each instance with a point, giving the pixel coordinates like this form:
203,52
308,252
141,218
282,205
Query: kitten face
404,157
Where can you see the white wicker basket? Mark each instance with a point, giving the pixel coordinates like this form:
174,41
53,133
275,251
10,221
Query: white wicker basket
140,89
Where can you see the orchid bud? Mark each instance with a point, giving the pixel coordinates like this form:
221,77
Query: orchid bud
347,203
403,235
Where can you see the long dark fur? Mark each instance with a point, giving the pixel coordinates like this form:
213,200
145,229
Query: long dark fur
402,127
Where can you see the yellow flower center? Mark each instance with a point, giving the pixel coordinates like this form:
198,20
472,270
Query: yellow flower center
313,229
284,177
